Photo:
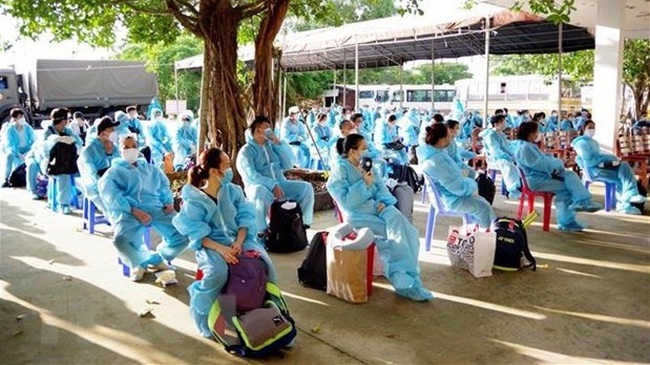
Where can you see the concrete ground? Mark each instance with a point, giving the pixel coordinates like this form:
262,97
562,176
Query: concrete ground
587,302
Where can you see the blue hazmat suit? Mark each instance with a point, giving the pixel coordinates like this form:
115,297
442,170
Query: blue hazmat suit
36,161
15,145
386,133
591,158
552,124
93,161
157,138
184,144
397,240
262,168
566,125
578,122
500,157
295,135
409,127
457,192
135,126
458,110
510,121
125,186
539,168
455,154
63,181
201,217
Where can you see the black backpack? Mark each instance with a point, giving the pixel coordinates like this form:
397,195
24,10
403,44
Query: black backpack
18,178
486,187
312,273
405,173
63,159
286,231
512,244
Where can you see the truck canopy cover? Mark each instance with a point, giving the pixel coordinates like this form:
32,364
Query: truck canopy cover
71,83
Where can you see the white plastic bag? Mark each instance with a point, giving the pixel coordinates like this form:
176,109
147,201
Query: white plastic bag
471,250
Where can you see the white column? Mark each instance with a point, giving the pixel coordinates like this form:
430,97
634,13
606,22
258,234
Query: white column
608,70
487,72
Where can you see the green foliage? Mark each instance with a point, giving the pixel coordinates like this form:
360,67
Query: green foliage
578,65
636,62
161,58
338,12
555,11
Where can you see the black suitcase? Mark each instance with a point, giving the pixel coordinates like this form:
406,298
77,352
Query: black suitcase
287,232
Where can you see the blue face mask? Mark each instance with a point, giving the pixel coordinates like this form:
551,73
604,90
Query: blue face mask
268,133
227,176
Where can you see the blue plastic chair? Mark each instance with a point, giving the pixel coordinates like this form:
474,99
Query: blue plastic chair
90,216
492,173
436,208
610,188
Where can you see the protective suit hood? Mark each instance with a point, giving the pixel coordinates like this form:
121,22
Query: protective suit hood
426,151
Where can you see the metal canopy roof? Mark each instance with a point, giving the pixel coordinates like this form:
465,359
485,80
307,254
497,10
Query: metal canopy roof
395,40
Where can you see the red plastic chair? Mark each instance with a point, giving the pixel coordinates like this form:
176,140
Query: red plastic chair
528,194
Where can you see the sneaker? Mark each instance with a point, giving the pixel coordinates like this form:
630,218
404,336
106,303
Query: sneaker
589,206
6,184
160,267
137,273
65,209
36,197
572,227
638,199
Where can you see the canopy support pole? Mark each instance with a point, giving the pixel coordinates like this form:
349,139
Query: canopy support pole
345,77
433,80
487,71
176,90
559,71
284,94
401,84
334,89
356,75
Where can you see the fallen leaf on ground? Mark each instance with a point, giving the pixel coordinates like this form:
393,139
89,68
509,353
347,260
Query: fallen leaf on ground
151,301
67,278
146,313
16,333
20,316
51,261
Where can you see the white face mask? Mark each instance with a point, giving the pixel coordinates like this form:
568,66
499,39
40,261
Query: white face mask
539,137
130,154
21,121
590,133
354,131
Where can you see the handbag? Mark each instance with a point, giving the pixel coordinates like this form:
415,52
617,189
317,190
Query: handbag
471,250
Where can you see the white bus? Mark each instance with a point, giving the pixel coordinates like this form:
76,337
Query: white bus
373,95
419,96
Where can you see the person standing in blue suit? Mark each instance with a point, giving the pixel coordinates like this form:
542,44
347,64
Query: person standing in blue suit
366,202
499,155
547,173
137,195
295,134
220,224
261,162
60,148
386,135
510,120
458,192
134,125
17,140
185,141
158,138
608,167
95,159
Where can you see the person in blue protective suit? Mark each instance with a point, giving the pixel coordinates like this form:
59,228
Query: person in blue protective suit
477,120
547,173
312,118
79,125
436,118
510,120
95,159
185,142
36,164
553,122
499,155
158,138
220,224
378,162
323,138
295,134
17,140
60,148
385,137
365,201
459,193
458,155
578,121
409,128
137,195
566,124
261,162
607,167
134,125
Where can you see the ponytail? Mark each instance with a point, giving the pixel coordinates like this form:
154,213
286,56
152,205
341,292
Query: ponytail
196,175
340,145
209,159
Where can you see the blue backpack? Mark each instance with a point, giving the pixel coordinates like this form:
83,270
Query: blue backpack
512,244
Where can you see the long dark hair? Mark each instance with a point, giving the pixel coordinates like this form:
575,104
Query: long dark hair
351,142
436,132
209,159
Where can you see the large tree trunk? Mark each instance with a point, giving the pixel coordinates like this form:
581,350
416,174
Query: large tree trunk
264,91
219,25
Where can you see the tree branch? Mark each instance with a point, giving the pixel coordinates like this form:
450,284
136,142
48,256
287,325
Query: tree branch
252,9
190,23
130,4
189,6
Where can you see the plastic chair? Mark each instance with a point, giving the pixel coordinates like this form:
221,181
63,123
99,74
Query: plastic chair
316,164
90,216
492,173
436,208
126,270
528,194
610,189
